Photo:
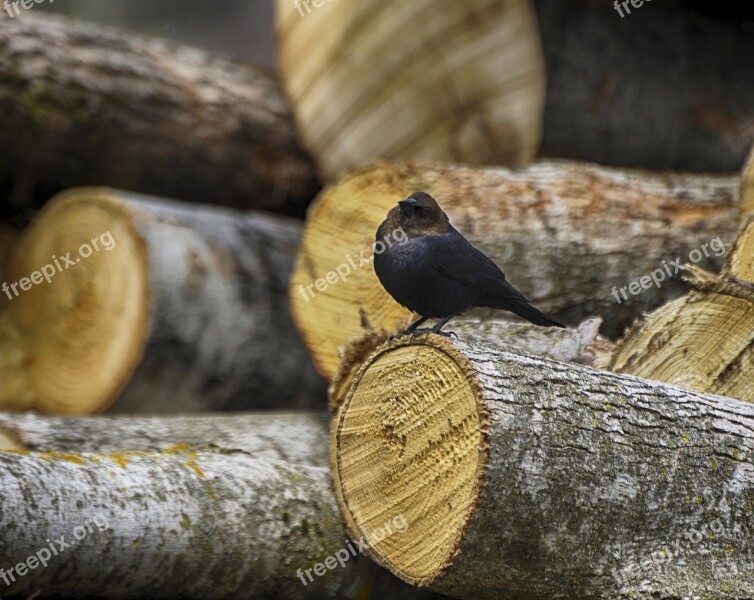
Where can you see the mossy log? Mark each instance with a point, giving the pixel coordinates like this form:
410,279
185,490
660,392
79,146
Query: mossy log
299,438
652,86
564,233
182,523
704,340
172,308
525,478
84,104
466,85
581,344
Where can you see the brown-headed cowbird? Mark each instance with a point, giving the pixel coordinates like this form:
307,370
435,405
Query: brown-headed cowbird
437,273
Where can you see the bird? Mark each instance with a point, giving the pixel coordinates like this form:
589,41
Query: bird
437,273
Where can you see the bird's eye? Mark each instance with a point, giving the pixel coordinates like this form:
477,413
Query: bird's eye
421,212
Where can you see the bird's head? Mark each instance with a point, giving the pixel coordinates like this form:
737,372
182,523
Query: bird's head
419,214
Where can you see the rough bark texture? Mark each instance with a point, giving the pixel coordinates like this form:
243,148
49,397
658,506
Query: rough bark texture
590,484
185,312
466,85
88,105
564,233
297,438
704,340
670,90
581,344
176,524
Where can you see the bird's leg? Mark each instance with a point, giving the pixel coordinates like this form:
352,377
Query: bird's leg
437,328
412,328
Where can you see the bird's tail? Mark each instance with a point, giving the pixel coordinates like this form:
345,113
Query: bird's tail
533,315
523,309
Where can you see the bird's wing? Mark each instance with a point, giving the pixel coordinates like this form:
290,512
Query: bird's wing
464,263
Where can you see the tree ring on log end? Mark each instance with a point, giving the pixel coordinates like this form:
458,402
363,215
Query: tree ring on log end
86,328
411,442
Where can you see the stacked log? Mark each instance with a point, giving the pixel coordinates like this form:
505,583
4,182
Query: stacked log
131,303
705,339
568,235
467,86
123,519
522,477
488,82
88,105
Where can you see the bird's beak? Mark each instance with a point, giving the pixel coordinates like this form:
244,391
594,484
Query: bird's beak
407,206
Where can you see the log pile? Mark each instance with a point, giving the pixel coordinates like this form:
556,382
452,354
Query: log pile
156,274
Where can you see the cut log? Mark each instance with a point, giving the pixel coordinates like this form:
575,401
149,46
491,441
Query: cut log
178,524
568,235
298,438
157,307
466,85
526,478
581,345
84,104
666,92
704,340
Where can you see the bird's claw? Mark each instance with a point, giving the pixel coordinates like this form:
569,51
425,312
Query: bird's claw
447,334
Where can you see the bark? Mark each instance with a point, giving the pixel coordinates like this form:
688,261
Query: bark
297,438
704,340
527,478
182,309
468,89
177,524
581,344
568,235
86,104
669,90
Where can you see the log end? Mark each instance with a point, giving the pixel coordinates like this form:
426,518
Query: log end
415,409
81,314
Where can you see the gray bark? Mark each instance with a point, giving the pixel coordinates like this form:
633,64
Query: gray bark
671,89
219,341
85,104
593,476
298,438
181,524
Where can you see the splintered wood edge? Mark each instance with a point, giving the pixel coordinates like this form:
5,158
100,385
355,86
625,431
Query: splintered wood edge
747,188
419,555
740,260
76,367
